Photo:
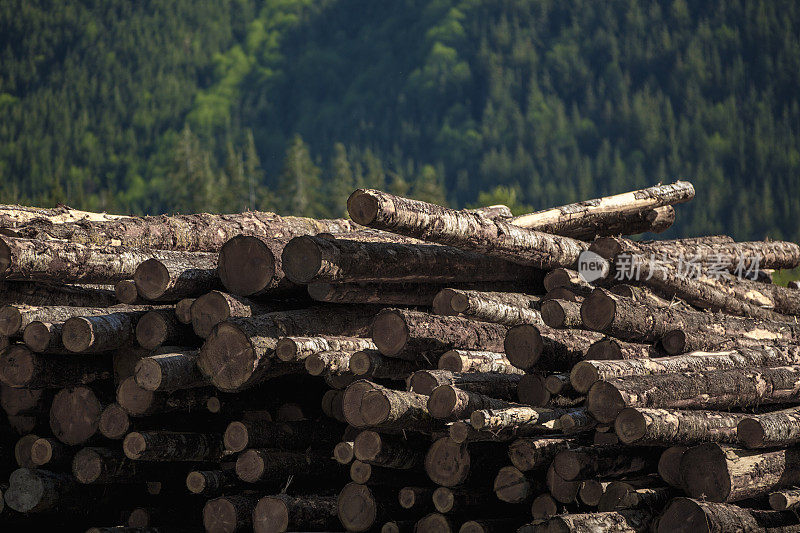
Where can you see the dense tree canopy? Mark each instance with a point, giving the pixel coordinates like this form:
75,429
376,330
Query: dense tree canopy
225,105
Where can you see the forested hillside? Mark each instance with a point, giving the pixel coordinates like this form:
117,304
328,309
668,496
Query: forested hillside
287,105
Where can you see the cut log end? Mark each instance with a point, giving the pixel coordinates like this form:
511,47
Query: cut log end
433,523
183,310
778,501
196,482
630,425
227,357
683,515
407,497
553,314
544,506
18,366
219,516
362,207
582,376
75,415
236,437
148,374
114,422
343,453
301,259
10,320
152,279
674,342
133,398
208,311
704,473
152,330
250,466
442,401
37,336
375,407
590,492
669,465
523,346
597,311
447,463
356,507
604,402
286,349
77,334
134,445
443,499
41,452
126,292
390,333
360,472
531,390
87,466
246,265
367,446
459,431
360,363
750,433
315,364
271,515
511,486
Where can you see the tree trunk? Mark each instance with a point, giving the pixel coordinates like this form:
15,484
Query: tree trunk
568,279
586,373
578,420
558,384
38,294
684,514
14,216
396,409
19,367
166,446
216,306
160,327
561,314
528,454
238,352
343,452
50,453
362,508
274,466
22,450
521,416
279,513
171,371
501,308
126,293
591,491
365,473
463,230
724,474
371,364
213,482
95,334
512,486
450,464
640,293
706,339
26,401
603,461
114,422
668,427
329,363
299,348
125,360
75,415
177,275
139,402
476,361
497,385
405,294
105,466
453,501
625,521
543,507
384,450
531,390
720,389
229,513
561,490
298,435
621,495
634,321
408,334
547,349
783,500
14,319
196,232
611,349
37,491
669,465
183,310
770,430
627,213
447,402
44,337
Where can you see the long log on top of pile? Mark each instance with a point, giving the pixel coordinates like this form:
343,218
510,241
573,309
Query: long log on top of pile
462,229
627,213
38,294
12,216
238,352
198,232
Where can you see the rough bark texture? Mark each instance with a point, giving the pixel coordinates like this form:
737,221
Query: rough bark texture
406,294
13,216
19,367
561,314
635,321
15,318
625,521
371,364
610,348
299,348
591,491
50,453
213,482
447,402
75,415
39,294
279,513
769,430
141,402
297,435
586,373
547,349
532,453
160,327
199,232
720,473
409,334
685,514
275,466
488,383
721,389
312,259
603,461
561,490
110,466
464,230
395,409
668,427
510,417
386,451
237,354
177,275
102,333
169,371
627,213
476,361
167,446
640,293
499,310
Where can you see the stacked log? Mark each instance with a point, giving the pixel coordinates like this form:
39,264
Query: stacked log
439,370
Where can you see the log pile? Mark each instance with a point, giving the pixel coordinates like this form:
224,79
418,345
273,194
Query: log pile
416,368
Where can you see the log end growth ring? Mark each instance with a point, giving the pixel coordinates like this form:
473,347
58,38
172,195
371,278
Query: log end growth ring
236,437
442,401
683,515
114,422
195,482
134,445
447,463
301,259
367,446
523,346
151,278
36,336
705,473
31,490
375,407
630,425
674,342
362,207
750,433
356,507
133,398
246,265
151,330
604,402
227,357
390,333
87,466
219,516
597,310
10,320
249,466
41,452
148,374
553,314
17,366
511,486
77,334
75,415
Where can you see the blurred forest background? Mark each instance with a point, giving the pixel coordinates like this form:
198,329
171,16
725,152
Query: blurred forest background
288,105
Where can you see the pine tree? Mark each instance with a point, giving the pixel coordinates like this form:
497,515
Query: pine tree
341,182
299,182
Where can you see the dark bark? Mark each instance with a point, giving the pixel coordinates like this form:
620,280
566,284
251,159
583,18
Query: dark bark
667,427
160,327
50,453
386,451
138,402
44,337
298,435
450,403
177,275
512,486
216,306
273,467
37,491
476,361
19,367
183,310
625,521
39,294
75,415
502,386
770,430
609,348
166,446
405,294
94,334
171,371
15,318
684,514
449,464
213,482
279,513
603,461
227,514
372,365
547,349
562,314
532,453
